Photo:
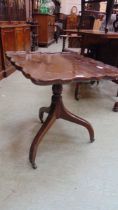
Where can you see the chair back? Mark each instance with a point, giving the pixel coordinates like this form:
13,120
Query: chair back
86,22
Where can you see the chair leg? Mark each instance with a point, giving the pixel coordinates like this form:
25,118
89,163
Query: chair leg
77,91
64,42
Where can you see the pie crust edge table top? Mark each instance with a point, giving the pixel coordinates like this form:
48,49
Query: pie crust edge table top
54,68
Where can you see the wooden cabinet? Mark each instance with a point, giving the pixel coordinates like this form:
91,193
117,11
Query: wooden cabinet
13,37
8,37
46,28
14,32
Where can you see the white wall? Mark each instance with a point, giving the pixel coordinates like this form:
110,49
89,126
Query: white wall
66,5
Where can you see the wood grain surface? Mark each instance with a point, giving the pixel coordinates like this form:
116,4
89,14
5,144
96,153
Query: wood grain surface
54,68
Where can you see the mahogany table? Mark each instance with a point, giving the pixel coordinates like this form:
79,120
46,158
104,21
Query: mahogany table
94,37
101,46
89,37
57,69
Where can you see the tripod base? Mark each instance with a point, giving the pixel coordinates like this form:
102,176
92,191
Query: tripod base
55,111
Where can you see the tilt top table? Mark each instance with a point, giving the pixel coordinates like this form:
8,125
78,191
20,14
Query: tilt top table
57,69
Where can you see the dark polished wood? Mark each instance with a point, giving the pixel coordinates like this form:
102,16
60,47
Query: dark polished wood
64,37
99,46
15,37
56,111
95,37
101,34
72,21
12,37
5,67
60,67
14,32
56,69
46,28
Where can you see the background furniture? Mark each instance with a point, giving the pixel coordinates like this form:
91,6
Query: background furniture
85,22
60,25
74,37
90,18
99,46
13,37
14,32
95,40
93,7
46,28
46,23
34,34
90,8
72,21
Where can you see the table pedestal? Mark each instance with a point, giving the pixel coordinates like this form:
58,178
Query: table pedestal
55,111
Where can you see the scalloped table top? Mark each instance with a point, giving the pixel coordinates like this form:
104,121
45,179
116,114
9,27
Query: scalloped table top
54,68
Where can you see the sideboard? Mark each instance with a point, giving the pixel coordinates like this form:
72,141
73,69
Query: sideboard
13,37
46,28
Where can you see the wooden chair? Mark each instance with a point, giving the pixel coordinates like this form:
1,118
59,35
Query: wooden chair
74,38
